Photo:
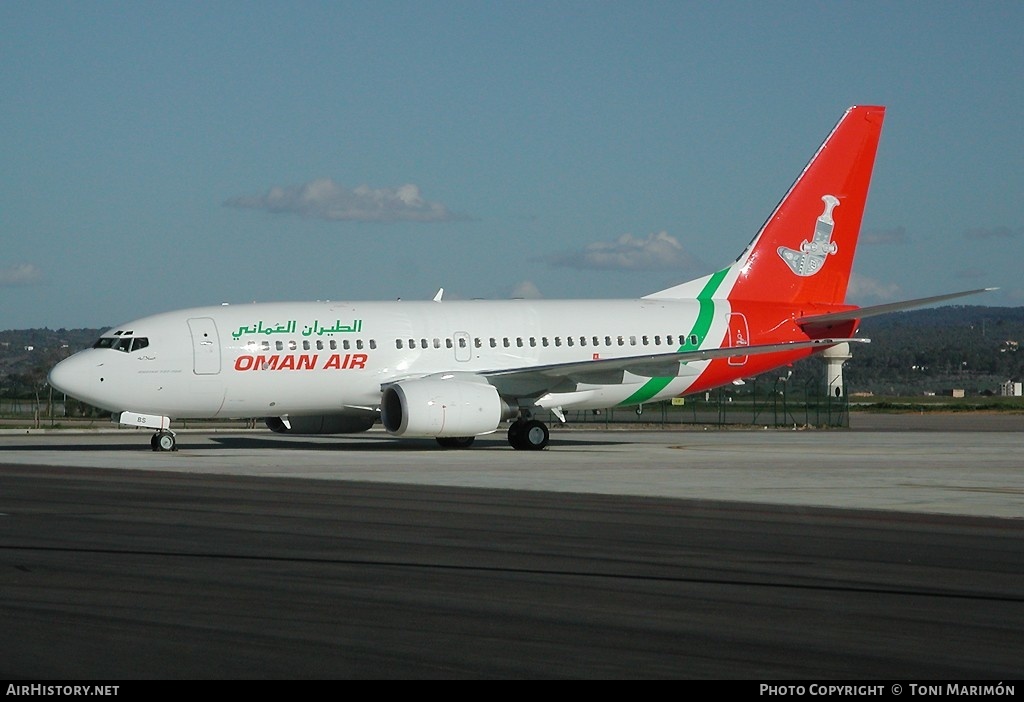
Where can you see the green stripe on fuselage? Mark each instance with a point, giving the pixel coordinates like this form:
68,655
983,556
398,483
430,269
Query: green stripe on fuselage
705,316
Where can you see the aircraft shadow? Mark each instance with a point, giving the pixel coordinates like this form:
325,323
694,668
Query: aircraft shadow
77,448
346,443
378,444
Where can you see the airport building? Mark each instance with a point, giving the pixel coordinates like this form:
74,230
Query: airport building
1011,389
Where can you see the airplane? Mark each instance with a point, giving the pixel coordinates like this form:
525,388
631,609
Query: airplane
455,370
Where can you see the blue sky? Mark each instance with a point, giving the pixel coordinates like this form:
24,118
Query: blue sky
160,155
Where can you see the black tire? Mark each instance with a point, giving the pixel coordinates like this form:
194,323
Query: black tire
528,436
165,442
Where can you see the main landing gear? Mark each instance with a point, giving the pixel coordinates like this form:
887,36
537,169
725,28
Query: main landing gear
163,440
528,435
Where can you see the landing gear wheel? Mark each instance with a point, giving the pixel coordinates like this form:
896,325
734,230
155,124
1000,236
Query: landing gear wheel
163,441
531,435
455,442
515,433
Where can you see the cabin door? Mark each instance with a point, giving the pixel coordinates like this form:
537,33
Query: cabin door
205,346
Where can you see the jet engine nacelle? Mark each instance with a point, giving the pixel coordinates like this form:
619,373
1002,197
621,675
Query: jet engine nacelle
442,407
350,422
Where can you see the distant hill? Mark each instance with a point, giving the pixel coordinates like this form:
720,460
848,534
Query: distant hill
26,355
971,347
911,353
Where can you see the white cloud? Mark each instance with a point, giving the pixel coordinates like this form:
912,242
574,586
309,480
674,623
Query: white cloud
21,274
870,290
325,199
993,233
659,251
896,235
526,290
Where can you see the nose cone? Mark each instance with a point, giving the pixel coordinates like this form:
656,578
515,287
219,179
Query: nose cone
62,376
76,376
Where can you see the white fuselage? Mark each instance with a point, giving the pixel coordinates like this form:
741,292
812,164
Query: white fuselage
309,358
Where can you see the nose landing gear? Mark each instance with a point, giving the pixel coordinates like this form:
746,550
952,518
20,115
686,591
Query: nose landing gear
163,440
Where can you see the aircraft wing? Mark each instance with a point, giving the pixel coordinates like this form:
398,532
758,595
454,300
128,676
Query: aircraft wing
534,379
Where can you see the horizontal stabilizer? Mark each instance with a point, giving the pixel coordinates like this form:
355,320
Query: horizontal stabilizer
875,310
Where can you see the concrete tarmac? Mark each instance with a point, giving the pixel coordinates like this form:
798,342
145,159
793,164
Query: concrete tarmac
970,471
876,554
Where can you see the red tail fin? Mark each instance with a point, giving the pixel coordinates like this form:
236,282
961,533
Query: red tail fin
804,252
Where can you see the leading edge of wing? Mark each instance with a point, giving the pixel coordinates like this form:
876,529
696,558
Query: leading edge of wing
656,365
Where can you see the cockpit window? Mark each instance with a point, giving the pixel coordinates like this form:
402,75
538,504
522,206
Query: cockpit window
122,342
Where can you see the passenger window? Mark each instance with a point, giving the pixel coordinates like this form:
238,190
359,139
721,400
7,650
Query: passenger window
494,343
292,346
607,341
279,346
544,341
462,342
437,343
477,342
558,341
305,345
519,341
398,343
346,344
694,340
359,344
319,344
668,340
568,340
505,342
643,340
621,341
334,345
373,343
533,342
423,344
412,343
657,340
265,345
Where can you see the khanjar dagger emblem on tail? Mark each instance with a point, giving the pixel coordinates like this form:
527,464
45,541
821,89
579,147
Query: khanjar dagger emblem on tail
811,256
